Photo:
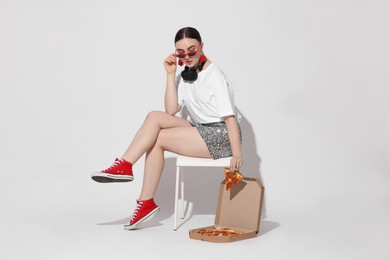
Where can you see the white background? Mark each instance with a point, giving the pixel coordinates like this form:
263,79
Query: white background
311,79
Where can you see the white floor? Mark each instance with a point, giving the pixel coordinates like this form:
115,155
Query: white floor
59,215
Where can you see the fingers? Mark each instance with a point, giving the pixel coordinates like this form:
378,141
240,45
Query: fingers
171,59
170,64
236,163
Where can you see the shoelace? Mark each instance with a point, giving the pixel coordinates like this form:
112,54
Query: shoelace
116,163
137,209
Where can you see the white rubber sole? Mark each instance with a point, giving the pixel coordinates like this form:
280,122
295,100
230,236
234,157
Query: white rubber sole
107,177
135,225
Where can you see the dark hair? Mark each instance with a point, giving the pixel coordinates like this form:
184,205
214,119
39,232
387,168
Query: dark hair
188,32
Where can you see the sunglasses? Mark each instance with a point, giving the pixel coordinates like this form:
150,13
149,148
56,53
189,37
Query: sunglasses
181,55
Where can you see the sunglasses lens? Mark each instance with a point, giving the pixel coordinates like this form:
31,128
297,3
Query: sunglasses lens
180,55
192,53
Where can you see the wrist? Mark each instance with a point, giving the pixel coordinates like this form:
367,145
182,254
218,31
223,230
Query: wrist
237,155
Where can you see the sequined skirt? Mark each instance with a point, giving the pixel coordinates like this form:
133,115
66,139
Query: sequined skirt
216,138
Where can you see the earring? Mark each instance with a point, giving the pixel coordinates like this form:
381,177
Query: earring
202,58
180,62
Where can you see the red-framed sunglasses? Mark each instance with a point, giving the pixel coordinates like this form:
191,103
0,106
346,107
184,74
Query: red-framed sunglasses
181,55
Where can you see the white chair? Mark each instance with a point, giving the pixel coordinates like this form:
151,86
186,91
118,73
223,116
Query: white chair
186,161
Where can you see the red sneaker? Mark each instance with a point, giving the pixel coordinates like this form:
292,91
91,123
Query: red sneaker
120,171
144,210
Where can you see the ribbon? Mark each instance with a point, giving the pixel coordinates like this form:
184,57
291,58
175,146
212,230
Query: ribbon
232,178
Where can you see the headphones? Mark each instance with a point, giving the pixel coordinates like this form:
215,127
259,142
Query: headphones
192,74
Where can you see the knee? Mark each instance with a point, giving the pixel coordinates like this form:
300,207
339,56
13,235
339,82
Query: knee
161,140
153,116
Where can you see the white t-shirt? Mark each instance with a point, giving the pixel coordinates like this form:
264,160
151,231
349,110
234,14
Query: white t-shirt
209,98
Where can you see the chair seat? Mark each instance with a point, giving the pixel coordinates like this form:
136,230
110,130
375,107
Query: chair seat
202,162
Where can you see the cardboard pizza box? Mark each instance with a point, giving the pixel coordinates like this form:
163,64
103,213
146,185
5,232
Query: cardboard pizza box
238,213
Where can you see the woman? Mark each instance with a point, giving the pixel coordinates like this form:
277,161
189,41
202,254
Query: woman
211,132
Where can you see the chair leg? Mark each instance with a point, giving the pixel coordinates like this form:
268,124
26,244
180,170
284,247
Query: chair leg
176,198
182,194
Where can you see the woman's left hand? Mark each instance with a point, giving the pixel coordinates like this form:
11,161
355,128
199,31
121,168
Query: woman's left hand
236,162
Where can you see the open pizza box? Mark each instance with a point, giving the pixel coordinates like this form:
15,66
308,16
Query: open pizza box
238,213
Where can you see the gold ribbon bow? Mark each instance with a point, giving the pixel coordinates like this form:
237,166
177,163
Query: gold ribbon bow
232,178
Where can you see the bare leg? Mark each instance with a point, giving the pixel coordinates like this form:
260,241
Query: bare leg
147,134
180,140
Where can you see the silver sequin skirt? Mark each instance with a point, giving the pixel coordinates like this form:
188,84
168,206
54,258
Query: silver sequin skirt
216,138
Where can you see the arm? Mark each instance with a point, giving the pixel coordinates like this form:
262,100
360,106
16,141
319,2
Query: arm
170,99
234,137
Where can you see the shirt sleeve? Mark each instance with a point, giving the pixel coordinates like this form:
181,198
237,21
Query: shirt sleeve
223,93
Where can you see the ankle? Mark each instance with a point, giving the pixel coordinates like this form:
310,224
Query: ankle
122,158
145,199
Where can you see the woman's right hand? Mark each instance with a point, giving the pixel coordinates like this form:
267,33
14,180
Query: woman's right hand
170,64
